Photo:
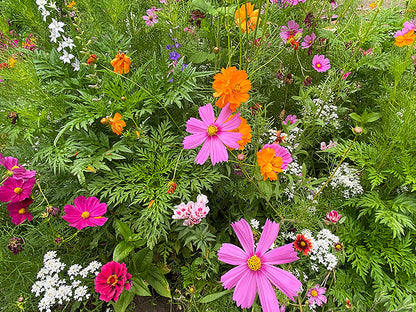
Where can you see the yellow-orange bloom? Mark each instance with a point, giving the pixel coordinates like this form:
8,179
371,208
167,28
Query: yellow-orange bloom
269,164
12,62
120,62
246,16
245,130
406,39
231,86
373,5
117,123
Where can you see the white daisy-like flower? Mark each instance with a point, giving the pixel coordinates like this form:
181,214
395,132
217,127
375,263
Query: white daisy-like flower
56,26
66,57
67,42
54,35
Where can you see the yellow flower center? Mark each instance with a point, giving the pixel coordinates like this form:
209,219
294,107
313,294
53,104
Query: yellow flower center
237,88
22,211
18,190
254,263
303,244
314,293
85,215
318,65
15,167
212,130
112,279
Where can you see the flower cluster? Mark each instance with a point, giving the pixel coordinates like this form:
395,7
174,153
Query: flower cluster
112,280
322,247
192,212
406,36
348,180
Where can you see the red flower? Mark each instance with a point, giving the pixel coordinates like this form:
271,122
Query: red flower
303,244
92,59
112,280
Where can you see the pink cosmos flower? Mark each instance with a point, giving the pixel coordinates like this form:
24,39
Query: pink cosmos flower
213,134
333,216
16,190
112,280
14,169
18,211
86,212
308,41
291,29
316,295
320,63
290,120
280,151
292,2
255,270
151,17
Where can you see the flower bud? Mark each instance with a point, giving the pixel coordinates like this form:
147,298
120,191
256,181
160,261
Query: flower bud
216,50
357,130
241,156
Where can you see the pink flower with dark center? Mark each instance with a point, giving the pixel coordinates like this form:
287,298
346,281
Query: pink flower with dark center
290,120
14,169
213,134
86,212
291,29
16,190
316,295
18,211
112,280
255,269
308,41
151,17
320,63
282,152
333,216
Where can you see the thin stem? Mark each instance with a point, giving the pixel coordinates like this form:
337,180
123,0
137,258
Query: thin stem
40,190
300,304
71,237
177,162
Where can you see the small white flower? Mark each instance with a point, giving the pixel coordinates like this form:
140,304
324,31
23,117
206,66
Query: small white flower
74,270
54,35
45,14
49,255
52,5
56,26
201,198
68,42
254,224
76,64
41,4
66,57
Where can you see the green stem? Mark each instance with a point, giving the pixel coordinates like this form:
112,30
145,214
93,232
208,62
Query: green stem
70,238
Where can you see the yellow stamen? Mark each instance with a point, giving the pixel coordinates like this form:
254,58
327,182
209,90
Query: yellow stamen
112,279
15,167
318,65
303,244
22,211
18,190
212,130
314,293
254,263
85,215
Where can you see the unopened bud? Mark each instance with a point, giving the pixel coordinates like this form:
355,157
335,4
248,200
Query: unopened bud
216,50
241,156
357,130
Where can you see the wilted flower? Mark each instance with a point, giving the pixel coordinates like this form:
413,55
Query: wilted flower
117,123
52,211
92,59
13,116
15,245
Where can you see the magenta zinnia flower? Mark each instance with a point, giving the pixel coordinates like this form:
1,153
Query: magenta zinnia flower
280,151
320,63
112,280
316,295
255,270
291,29
16,190
213,134
18,211
86,212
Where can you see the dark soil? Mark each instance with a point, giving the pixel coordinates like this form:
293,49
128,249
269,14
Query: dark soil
153,304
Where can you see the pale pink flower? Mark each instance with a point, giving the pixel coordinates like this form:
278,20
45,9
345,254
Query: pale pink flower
291,29
316,295
192,212
150,18
308,41
333,216
320,63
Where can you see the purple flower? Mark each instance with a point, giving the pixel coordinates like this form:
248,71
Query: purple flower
308,41
290,120
316,295
174,56
320,63
291,29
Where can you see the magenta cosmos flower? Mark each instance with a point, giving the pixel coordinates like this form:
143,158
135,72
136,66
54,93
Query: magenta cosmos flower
320,63
14,169
18,211
255,270
316,295
213,134
282,152
112,280
291,29
16,190
86,212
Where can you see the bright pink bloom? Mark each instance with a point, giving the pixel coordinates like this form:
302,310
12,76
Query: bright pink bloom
213,134
345,76
292,2
290,120
16,190
86,212
316,295
308,41
280,151
320,63
14,169
333,216
255,270
112,280
18,211
291,29
334,5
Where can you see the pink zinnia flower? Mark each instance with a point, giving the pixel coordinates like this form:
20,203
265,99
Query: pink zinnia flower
320,63
255,270
112,280
16,190
18,211
14,169
86,212
213,134
333,216
308,41
290,120
282,152
291,29
316,295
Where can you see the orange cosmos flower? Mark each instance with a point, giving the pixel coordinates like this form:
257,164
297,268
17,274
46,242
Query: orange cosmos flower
245,130
231,86
120,62
246,16
117,123
269,164
406,39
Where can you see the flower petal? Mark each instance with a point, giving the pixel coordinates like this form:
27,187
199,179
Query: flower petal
230,279
243,231
230,138
285,281
267,295
281,255
224,114
246,289
203,154
218,151
195,126
231,124
207,114
232,254
267,238
194,140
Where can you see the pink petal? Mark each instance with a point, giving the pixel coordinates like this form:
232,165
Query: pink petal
231,124
194,140
224,114
98,221
230,138
207,114
231,278
98,210
80,203
218,151
232,254
246,289
280,255
267,295
195,126
244,234
267,238
203,154
285,281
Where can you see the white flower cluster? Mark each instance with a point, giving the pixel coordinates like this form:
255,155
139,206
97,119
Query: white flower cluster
56,28
321,249
255,224
327,113
57,290
348,179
